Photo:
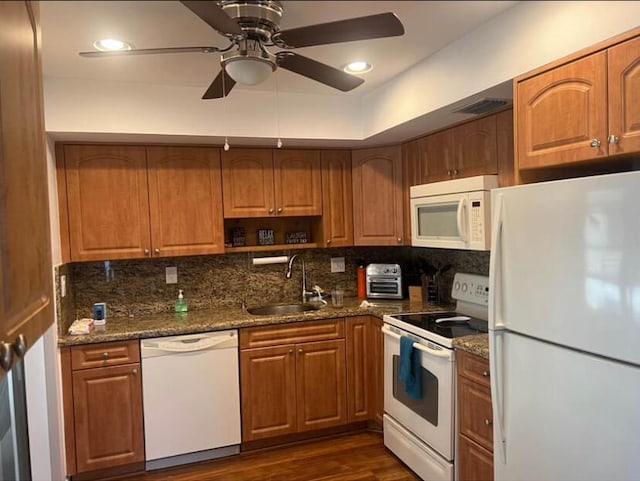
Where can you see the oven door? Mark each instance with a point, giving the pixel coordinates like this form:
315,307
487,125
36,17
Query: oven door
383,287
430,418
440,221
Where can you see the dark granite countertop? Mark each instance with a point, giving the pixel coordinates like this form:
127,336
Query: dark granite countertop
171,323
477,344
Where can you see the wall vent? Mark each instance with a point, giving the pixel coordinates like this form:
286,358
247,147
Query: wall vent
482,106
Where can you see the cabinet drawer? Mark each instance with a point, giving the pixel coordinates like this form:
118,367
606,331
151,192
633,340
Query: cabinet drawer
475,463
265,336
104,354
476,415
474,367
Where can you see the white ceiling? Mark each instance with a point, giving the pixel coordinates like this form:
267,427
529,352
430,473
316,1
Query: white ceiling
72,26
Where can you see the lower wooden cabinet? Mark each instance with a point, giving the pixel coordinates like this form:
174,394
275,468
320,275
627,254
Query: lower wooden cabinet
377,350
475,419
103,406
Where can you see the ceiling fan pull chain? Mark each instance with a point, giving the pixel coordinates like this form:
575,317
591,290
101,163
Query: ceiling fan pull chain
279,142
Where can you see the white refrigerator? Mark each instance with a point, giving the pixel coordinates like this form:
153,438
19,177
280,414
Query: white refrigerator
564,329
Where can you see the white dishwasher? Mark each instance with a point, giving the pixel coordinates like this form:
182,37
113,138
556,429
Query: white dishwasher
191,396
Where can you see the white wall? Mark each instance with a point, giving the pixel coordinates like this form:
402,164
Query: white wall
522,38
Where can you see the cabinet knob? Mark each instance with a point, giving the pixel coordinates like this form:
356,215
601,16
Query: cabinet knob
595,143
134,371
271,210
280,210
20,345
6,355
147,252
328,241
156,250
455,171
300,351
613,139
290,351
105,356
449,173
399,239
488,422
485,373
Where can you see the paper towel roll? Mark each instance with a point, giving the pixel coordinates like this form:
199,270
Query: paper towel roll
261,261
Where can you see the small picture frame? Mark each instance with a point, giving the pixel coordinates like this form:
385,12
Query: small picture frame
296,238
238,237
266,237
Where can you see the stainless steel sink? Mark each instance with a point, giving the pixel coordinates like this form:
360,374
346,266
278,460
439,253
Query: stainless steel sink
283,309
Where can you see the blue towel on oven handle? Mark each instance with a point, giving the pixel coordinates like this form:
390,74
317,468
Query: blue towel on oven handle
410,368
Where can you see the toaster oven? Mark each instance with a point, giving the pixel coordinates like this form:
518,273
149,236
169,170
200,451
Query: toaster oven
384,281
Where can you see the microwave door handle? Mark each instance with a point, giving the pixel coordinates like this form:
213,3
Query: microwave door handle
462,206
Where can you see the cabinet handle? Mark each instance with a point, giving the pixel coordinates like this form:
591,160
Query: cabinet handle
300,351
134,371
449,173
488,422
595,143
328,241
290,351
280,210
105,356
271,210
147,252
6,355
399,239
156,251
613,139
485,373
455,171
20,345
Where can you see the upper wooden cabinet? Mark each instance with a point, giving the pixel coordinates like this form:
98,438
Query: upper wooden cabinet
463,151
130,202
262,183
337,201
583,110
377,196
26,305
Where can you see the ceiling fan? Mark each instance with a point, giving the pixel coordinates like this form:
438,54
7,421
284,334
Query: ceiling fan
254,26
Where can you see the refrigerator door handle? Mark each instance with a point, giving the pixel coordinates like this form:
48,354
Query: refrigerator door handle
495,268
461,221
497,392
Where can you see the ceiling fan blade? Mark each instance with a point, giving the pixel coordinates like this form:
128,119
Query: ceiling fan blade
317,71
215,89
360,28
147,51
213,15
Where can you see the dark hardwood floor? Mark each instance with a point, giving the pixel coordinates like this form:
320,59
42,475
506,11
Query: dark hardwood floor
353,457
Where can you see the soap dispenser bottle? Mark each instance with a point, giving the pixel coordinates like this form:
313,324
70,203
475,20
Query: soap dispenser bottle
181,302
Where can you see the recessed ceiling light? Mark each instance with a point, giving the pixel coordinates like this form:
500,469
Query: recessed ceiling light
110,44
357,67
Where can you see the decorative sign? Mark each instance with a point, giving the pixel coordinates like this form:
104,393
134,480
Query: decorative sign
266,237
238,238
296,238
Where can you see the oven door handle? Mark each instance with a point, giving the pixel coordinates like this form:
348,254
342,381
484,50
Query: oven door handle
417,345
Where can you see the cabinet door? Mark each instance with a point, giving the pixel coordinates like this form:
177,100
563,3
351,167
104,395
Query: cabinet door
475,148
624,96
377,385
360,373
108,202
559,113
108,417
411,163
321,385
504,140
185,201
268,380
476,417
247,183
25,257
437,161
377,196
337,201
475,463
297,182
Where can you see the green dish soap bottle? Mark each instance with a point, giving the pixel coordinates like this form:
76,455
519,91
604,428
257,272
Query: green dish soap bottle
181,302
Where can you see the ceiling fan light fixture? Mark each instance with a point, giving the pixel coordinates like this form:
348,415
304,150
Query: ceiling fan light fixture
357,67
111,45
249,70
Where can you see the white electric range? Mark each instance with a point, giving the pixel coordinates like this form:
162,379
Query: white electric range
421,432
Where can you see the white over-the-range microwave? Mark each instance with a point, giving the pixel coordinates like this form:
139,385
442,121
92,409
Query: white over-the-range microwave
454,214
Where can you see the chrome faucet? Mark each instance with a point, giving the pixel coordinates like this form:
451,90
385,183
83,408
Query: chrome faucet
305,294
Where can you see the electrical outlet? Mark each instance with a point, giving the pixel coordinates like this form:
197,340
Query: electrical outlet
337,264
171,275
63,286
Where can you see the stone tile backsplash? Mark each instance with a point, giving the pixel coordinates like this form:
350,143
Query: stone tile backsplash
133,287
